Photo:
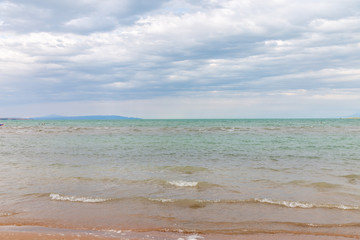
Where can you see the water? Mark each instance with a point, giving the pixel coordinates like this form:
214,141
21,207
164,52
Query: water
186,176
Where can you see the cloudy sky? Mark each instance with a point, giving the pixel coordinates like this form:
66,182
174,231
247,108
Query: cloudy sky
180,58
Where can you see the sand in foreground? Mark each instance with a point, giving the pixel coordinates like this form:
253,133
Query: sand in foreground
76,236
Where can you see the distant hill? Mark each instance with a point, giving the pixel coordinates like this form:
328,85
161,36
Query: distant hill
14,118
93,117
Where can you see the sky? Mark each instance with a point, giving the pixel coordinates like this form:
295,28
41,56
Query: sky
180,58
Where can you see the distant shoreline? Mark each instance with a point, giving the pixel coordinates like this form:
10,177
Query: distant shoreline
113,117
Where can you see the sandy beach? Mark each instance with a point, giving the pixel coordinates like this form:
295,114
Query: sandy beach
49,236
43,233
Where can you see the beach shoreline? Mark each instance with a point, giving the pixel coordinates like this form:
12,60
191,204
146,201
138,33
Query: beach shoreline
46,233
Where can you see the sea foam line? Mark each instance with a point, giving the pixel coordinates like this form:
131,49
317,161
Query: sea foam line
169,200
192,237
295,204
58,197
282,203
289,204
163,200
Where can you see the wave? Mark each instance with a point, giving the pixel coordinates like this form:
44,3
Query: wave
58,197
195,203
270,169
191,203
192,237
324,185
318,185
289,204
183,183
151,181
201,203
7,214
352,176
90,179
193,184
296,204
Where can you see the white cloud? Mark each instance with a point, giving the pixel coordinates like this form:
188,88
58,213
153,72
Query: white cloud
121,85
302,104
85,24
215,50
343,25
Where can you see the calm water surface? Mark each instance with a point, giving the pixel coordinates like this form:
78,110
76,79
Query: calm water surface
219,176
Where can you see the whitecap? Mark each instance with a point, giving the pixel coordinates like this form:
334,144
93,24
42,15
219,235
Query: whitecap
194,237
6,214
348,207
183,183
58,197
295,204
285,203
164,200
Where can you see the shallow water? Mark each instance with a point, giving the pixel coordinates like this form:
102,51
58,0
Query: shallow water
218,176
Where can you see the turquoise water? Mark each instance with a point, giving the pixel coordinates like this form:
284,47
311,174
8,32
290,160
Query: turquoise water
187,175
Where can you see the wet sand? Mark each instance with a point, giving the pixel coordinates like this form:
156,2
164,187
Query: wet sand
45,236
48,236
42,233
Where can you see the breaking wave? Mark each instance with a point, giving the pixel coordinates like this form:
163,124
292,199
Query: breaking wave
58,197
195,203
296,204
200,203
7,214
183,183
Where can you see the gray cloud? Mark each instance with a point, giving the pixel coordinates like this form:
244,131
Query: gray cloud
61,51
81,17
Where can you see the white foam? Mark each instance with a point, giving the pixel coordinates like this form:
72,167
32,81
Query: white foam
114,231
58,197
294,204
183,183
348,207
285,203
5,214
194,237
164,200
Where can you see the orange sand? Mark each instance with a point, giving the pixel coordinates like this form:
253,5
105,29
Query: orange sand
51,236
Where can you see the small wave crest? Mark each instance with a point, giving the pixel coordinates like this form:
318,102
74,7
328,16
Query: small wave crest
182,183
198,203
185,169
289,204
7,214
192,237
191,203
296,204
94,179
192,184
58,197
352,178
324,185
